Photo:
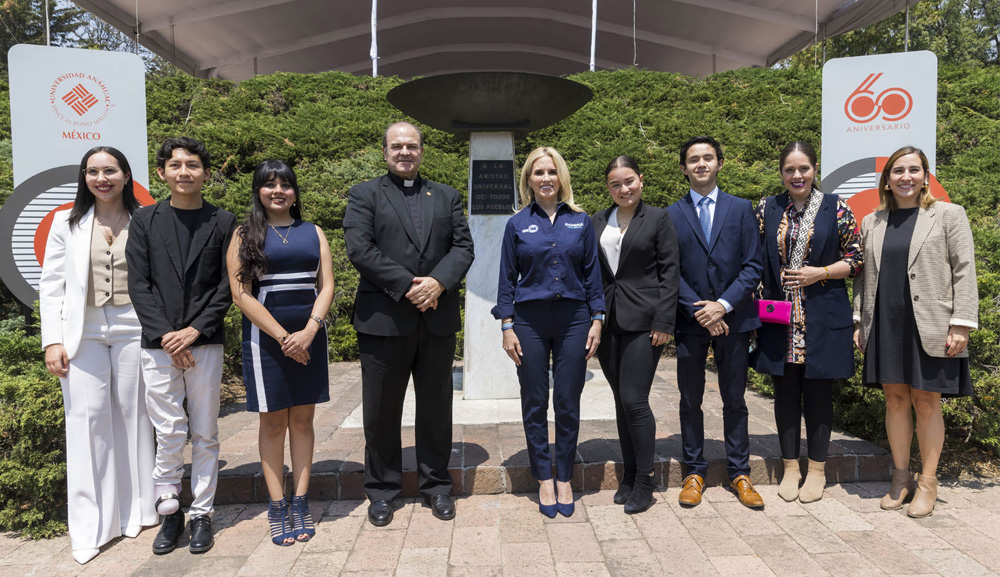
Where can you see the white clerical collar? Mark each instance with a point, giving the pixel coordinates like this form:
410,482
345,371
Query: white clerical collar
408,183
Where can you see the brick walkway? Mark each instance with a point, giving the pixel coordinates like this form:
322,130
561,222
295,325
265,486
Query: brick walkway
498,530
845,534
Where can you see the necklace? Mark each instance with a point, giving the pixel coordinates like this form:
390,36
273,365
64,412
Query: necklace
109,231
284,239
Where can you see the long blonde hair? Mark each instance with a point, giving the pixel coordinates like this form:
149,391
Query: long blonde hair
887,201
562,171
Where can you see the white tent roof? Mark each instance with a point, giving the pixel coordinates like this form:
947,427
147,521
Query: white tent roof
233,39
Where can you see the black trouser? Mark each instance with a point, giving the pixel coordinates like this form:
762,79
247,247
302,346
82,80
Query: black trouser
386,364
792,392
629,361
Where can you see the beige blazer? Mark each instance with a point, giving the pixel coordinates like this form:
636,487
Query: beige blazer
942,269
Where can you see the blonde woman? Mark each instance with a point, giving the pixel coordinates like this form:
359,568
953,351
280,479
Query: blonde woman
551,305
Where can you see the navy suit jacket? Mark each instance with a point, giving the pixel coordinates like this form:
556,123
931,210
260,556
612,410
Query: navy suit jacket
728,268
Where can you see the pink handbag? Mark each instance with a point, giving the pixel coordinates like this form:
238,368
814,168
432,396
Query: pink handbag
777,312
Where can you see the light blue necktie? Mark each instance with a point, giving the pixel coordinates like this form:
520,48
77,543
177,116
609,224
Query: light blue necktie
705,218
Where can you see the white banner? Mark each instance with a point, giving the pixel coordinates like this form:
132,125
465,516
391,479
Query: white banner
872,106
63,102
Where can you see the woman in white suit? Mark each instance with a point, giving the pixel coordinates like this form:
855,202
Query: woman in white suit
90,333
914,306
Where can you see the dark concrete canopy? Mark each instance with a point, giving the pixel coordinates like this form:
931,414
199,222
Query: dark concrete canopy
235,39
461,103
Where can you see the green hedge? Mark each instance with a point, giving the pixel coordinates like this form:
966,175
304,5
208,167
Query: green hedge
329,126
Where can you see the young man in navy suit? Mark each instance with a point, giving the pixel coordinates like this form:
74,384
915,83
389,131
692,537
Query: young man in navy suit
720,269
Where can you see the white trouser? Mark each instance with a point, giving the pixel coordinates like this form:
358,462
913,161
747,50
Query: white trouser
166,388
109,440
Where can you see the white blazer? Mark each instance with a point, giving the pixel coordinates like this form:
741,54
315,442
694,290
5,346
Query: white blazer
62,289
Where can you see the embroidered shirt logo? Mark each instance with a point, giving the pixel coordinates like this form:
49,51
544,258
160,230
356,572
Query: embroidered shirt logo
532,228
574,225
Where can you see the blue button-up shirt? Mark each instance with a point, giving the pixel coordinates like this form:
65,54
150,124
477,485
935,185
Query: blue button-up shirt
543,260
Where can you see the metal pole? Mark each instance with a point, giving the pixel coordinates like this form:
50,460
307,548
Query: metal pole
593,35
374,49
48,36
906,37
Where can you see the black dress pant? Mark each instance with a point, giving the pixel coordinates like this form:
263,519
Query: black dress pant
628,360
731,358
792,392
386,365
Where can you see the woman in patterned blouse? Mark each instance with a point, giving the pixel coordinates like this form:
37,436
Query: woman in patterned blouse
810,243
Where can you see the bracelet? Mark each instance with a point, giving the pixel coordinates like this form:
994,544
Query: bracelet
506,326
318,320
827,269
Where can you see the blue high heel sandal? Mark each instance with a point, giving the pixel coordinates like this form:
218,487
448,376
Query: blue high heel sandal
281,525
303,520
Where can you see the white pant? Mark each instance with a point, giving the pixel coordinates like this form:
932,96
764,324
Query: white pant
166,388
109,440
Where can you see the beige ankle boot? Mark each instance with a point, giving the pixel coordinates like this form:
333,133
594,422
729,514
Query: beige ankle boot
925,497
901,489
788,489
812,489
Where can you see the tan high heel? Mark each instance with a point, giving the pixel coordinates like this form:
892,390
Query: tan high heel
925,497
902,488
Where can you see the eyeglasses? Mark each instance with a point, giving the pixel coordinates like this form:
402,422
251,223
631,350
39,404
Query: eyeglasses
109,172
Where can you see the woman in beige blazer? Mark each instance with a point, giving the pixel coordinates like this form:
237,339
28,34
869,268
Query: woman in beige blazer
90,333
914,307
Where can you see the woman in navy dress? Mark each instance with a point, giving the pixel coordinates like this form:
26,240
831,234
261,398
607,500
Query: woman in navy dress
550,304
281,276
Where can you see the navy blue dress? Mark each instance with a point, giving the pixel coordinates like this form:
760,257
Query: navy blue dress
274,381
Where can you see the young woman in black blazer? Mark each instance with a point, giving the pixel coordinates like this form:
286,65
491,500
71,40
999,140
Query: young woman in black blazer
810,243
639,268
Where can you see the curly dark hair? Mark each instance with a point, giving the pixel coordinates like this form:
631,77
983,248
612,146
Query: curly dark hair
253,231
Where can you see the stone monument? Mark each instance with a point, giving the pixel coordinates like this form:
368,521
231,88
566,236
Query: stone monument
490,109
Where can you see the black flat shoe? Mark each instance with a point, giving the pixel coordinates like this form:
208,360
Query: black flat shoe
201,534
441,506
171,529
380,513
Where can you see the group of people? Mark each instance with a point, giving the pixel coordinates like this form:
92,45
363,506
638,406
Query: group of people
132,306
704,271
133,300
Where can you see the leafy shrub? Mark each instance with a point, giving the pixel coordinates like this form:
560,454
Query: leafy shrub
32,438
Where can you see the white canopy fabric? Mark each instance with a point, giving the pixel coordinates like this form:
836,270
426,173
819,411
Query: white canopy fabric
235,39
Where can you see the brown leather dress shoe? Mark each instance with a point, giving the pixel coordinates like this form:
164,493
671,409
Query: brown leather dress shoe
691,493
747,494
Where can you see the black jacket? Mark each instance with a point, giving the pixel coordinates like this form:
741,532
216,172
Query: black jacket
169,292
382,245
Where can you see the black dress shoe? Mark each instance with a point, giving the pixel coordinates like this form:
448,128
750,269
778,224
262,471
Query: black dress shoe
441,506
201,534
171,529
380,512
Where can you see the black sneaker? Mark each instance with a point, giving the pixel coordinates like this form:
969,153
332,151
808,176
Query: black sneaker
201,534
171,529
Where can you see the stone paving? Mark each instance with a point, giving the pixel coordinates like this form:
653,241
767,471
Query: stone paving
498,530
490,457
844,534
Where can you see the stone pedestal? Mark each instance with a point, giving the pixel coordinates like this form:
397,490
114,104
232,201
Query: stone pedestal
488,371
491,108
